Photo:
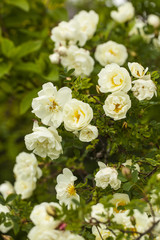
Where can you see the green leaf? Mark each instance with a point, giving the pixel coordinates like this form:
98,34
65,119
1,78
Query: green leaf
53,75
11,197
26,101
28,67
7,47
127,186
4,68
2,200
27,48
22,4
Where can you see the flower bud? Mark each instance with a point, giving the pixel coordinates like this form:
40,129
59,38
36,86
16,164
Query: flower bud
153,20
62,51
126,172
54,58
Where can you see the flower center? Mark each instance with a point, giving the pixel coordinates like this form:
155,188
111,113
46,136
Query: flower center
53,104
121,203
116,80
77,115
118,107
71,190
112,52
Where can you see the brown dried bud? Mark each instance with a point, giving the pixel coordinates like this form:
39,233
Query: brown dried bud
7,237
98,89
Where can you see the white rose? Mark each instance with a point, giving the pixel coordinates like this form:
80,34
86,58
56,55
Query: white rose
65,31
6,189
137,70
124,13
143,222
153,20
111,52
48,106
107,176
43,233
3,228
120,199
79,59
25,187
67,235
77,115
26,166
144,89
99,213
54,58
44,142
40,216
116,105
86,25
114,78
123,218
101,232
88,133
65,189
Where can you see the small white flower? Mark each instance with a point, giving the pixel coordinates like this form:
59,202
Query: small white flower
26,166
153,20
43,233
44,142
123,218
65,188
3,228
48,106
114,78
107,176
116,105
86,25
40,216
65,31
77,115
6,189
124,13
54,58
143,222
25,187
102,232
99,213
111,52
67,235
129,163
120,199
144,89
88,133
79,59
137,70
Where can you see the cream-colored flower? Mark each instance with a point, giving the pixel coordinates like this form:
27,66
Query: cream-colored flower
122,217
124,13
79,59
99,213
48,106
111,52
114,78
6,189
54,58
44,142
43,214
119,199
25,187
3,228
65,32
102,232
116,105
67,235
153,20
144,89
26,166
43,233
65,188
88,133
86,25
107,176
137,70
77,115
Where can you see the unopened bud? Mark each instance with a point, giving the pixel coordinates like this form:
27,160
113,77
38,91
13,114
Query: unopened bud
98,89
133,220
153,20
6,237
126,172
54,58
125,125
62,51
51,211
68,78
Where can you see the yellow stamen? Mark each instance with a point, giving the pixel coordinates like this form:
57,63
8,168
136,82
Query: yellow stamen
118,107
71,190
77,115
112,52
